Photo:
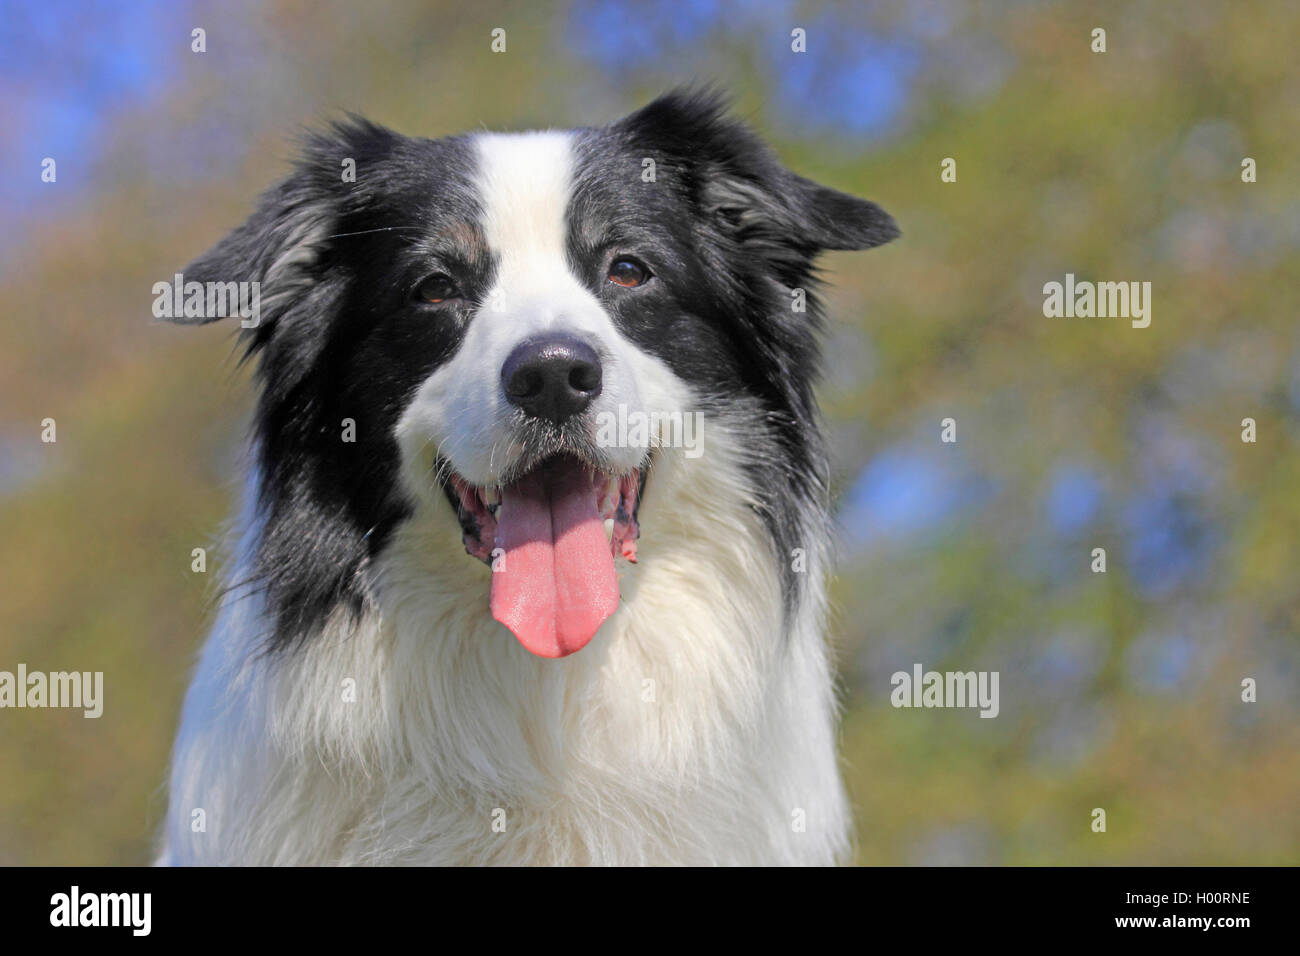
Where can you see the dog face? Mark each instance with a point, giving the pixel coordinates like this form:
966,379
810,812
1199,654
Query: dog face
482,309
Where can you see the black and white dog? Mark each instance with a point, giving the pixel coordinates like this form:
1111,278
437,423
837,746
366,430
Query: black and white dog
446,342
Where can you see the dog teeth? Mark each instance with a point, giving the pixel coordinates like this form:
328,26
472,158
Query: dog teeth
609,496
609,529
491,496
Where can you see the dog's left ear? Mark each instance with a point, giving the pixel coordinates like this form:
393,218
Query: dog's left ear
835,220
742,187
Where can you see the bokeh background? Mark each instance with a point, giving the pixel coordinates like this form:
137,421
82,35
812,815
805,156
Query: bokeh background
1119,690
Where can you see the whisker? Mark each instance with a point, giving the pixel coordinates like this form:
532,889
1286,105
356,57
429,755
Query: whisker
364,232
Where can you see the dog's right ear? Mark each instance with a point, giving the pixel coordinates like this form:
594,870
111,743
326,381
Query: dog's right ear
270,257
278,250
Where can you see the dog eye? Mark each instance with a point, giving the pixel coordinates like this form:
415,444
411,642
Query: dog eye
436,288
628,273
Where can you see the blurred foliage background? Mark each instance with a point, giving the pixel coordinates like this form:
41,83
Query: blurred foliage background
1118,690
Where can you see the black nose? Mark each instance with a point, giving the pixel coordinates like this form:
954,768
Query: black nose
552,377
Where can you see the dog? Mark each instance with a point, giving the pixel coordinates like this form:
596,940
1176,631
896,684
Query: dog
470,620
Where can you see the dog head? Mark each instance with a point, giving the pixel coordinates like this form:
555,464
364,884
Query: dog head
513,327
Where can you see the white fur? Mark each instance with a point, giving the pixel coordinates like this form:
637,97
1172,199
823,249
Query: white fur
692,730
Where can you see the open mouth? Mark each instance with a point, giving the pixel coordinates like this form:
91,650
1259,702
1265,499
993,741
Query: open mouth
551,538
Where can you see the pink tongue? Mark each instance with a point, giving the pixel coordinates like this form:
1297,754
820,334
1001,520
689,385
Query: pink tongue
556,583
